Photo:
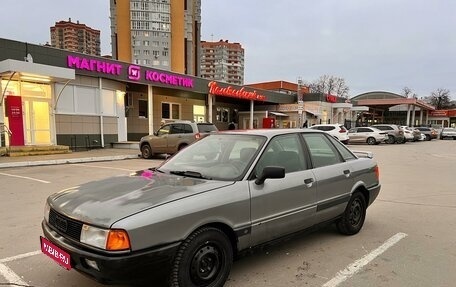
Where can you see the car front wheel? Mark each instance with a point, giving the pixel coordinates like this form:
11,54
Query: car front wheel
353,217
203,259
391,139
146,151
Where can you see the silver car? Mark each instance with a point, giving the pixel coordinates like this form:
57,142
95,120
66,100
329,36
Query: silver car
369,135
186,220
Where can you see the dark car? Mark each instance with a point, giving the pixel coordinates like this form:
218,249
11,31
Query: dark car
429,133
172,137
225,194
395,134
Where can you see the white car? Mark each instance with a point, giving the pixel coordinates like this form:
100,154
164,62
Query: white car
367,135
338,131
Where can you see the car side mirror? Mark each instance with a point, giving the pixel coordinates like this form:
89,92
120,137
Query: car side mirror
270,172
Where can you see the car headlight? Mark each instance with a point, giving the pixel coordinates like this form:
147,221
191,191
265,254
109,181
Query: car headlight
108,239
47,209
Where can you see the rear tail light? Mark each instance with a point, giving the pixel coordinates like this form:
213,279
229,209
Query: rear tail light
377,172
197,136
342,130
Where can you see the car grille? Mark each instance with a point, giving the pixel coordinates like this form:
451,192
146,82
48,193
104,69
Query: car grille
65,225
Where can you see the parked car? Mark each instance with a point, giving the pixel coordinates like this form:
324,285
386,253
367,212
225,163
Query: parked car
188,218
336,130
448,133
430,133
395,134
172,137
367,135
411,134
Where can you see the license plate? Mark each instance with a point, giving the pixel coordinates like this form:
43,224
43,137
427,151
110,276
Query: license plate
56,253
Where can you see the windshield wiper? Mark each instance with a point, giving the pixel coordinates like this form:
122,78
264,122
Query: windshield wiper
189,173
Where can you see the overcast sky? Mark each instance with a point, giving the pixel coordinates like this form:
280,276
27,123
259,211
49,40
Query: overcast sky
374,45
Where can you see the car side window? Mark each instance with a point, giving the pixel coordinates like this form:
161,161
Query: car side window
284,151
176,129
163,130
343,150
322,152
364,130
187,129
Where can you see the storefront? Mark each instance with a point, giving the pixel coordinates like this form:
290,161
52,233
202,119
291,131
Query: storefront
442,118
85,102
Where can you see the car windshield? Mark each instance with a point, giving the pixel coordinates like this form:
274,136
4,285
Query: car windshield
218,157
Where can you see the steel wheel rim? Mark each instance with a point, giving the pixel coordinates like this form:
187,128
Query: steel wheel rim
356,212
206,264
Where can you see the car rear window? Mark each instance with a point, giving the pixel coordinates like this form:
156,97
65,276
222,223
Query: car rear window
205,128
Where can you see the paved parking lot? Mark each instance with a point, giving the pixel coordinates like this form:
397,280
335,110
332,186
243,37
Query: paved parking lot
408,238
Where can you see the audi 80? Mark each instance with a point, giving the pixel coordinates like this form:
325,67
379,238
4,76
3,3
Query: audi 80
187,219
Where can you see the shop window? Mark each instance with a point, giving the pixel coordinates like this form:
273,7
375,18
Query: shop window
143,109
171,111
223,115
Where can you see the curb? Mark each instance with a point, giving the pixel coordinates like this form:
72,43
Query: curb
66,161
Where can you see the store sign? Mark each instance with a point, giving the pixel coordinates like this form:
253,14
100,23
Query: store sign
134,72
439,113
331,98
229,91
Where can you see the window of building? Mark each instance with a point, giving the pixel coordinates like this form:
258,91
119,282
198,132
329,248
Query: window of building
171,111
143,110
223,115
146,42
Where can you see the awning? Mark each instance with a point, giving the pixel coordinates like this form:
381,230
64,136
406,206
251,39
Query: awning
279,114
28,71
313,112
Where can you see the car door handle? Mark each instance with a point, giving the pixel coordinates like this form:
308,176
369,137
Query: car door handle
347,172
308,182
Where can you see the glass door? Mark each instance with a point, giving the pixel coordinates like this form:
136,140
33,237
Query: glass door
37,122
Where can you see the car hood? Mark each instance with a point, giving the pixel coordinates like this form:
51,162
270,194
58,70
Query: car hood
104,202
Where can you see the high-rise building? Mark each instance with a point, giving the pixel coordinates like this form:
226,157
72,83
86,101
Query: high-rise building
75,37
222,61
163,34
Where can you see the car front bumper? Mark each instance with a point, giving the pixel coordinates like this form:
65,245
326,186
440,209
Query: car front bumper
152,265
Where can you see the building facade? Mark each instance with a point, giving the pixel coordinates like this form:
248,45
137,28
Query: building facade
84,101
75,37
163,34
222,61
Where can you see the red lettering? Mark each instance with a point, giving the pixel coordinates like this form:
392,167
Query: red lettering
234,93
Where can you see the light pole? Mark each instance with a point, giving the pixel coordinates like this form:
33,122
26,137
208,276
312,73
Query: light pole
300,102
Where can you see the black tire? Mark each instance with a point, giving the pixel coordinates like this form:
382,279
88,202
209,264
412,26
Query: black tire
203,259
146,151
428,137
371,141
182,146
391,139
354,215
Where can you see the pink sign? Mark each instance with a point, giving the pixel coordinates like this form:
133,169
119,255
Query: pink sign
134,72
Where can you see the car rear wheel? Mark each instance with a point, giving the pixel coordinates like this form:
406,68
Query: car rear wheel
353,217
181,147
371,141
428,137
203,259
146,151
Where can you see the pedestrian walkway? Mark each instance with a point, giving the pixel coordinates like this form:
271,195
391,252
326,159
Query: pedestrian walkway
102,154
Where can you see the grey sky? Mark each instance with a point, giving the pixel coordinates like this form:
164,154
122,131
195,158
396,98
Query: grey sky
373,45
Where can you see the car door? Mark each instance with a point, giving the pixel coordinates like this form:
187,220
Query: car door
333,174
175,137
160,141
353,135
286,205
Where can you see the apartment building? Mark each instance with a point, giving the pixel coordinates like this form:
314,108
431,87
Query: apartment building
75,37
163,34
222,61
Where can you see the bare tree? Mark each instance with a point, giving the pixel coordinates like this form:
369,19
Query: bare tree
330,85
440,99
408,93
